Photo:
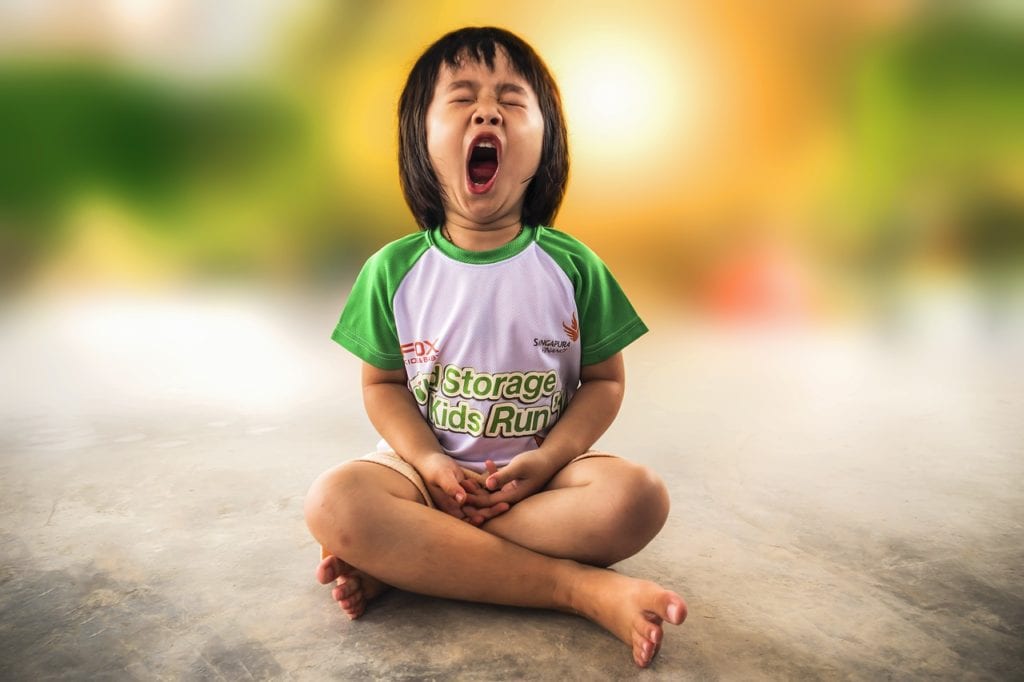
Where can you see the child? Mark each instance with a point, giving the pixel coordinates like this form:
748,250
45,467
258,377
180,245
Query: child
492,363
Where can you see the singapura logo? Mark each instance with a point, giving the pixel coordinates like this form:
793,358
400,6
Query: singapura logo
572,331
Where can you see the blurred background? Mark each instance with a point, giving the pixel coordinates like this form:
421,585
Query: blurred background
739,160
167,167
816,205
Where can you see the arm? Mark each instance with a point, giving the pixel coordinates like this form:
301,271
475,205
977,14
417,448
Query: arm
587,417
394,413
590,413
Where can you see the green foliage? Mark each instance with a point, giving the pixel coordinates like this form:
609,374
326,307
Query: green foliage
937,102
157,147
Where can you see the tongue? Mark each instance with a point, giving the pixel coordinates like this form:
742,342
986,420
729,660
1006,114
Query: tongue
482,171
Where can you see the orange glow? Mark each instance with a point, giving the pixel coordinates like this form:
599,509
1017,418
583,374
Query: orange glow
262,140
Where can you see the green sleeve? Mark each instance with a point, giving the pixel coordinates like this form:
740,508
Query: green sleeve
608,322
367,325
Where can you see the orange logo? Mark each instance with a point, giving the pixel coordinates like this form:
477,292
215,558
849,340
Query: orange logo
572,330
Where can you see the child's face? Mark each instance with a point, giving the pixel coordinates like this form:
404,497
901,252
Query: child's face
485,132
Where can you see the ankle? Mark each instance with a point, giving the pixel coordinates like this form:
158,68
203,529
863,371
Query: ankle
571,588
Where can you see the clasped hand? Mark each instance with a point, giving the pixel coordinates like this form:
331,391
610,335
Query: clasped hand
479,497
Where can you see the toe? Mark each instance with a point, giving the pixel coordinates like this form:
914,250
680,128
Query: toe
653,630
672,608
647,636
328,570
654,635
347,587
352,599
644,646
355,610
639,656
351,603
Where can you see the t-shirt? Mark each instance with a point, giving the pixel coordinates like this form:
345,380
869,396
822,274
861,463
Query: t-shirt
492,342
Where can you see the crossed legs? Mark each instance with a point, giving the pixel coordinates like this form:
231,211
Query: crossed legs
542,553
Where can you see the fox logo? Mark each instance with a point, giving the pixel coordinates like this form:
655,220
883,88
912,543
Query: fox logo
422,351
572,330
420,348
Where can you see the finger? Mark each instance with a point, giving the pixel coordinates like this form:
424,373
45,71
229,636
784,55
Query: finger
469,485
445,503
451,486
509,495
506,479
474,475
485,498
488,513
495,478
452,511
474,515
481,497
499,478
504,487
481,515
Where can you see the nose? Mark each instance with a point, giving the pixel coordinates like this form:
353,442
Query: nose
487,113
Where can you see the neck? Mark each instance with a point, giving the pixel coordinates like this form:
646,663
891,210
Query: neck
476,238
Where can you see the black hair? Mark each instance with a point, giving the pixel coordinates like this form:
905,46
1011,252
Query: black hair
420,185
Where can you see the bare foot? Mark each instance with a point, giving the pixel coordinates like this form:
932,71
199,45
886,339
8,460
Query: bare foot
353,588
631,609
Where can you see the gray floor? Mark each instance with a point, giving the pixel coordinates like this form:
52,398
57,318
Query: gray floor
844,505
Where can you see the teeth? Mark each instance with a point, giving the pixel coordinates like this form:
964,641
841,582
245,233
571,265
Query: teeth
485,144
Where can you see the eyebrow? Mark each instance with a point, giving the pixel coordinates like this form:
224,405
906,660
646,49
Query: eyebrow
474,85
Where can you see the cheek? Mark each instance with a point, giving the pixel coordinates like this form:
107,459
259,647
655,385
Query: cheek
532,141
444,151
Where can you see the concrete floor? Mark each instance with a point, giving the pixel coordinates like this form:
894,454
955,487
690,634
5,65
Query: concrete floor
845,506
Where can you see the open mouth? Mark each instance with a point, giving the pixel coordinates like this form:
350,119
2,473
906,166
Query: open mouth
482,164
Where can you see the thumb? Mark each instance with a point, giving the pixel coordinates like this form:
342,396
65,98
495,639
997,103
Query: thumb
498,479
452,487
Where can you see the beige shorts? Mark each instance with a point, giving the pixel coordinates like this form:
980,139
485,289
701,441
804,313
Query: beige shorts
391,460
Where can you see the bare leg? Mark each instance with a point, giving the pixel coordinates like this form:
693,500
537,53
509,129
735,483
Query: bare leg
372,518
598,511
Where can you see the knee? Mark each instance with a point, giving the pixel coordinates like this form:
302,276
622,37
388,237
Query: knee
641,503
331,507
